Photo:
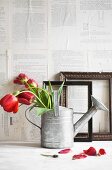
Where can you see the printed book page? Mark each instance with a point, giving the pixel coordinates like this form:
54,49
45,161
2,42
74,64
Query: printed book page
29,24
4,24
34,64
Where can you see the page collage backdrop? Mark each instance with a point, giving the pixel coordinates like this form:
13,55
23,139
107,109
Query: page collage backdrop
43,37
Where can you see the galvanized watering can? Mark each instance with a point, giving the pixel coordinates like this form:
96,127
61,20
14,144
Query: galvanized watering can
57,127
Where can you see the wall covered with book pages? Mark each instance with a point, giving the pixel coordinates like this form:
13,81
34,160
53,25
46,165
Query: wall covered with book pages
43,37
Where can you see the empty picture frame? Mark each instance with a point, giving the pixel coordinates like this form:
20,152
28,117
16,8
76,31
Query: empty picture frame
82,137
71,76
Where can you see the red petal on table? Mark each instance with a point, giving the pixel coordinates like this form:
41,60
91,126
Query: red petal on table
101,152
80,156
64,151
91,151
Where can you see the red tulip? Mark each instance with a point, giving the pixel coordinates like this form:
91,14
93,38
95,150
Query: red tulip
9,103
21,79
31,83
79,156
101,152
26,98
64,151
91,151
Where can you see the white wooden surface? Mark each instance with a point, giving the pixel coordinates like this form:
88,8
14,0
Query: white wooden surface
27,156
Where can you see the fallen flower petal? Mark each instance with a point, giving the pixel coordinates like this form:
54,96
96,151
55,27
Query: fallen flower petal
80,156
64,151
91,151
101,152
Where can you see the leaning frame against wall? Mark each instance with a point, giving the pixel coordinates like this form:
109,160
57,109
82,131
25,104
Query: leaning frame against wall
68,76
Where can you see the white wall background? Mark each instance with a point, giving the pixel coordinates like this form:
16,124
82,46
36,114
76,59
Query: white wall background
42,38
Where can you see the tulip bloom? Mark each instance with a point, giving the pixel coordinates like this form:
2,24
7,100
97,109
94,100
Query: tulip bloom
31,83
9,103
26,98
21,79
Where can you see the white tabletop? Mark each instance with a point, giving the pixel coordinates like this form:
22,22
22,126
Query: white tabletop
27,156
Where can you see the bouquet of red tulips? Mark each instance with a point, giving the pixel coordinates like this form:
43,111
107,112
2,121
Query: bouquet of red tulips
31,94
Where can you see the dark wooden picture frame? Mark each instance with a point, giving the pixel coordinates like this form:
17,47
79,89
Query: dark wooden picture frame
82,137
67,76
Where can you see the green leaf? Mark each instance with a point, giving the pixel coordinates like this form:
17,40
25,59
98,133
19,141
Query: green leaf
41,111
39,103
50,87
52,99
49,103
44,97
60,90
44,86
51,95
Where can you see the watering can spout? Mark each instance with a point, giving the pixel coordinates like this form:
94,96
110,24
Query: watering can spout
98,105
88,115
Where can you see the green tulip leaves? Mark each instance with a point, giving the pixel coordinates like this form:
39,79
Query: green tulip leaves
45,99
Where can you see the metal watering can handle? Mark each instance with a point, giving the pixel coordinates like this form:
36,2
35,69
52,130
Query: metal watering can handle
30,120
